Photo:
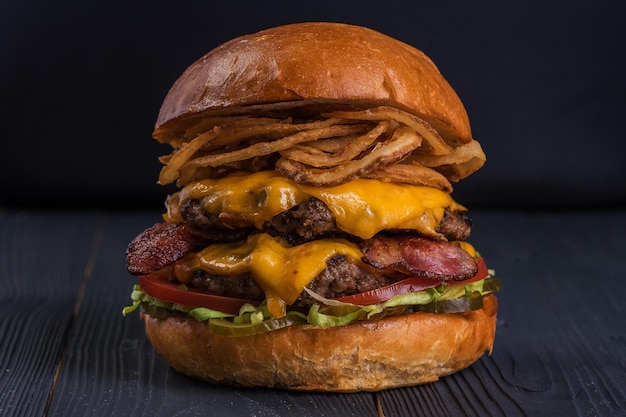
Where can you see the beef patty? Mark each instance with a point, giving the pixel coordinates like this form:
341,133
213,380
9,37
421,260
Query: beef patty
312,220
340,278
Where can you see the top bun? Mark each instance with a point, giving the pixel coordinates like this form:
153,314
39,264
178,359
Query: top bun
316,62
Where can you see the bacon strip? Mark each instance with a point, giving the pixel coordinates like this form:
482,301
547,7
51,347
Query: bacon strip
418,256
165,243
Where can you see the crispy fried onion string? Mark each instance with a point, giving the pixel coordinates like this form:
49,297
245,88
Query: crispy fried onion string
403,141
381,142
315,155
266,148
458,164
412,174
436,142
170,172
220,136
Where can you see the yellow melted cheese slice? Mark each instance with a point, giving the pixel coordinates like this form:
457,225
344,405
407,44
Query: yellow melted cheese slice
281,271
361,207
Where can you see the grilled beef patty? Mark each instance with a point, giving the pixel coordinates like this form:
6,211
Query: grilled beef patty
312,220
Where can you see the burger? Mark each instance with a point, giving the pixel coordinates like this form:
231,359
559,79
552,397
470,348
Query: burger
310,241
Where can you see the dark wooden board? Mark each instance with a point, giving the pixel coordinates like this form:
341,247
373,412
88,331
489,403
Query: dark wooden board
43,259
66,349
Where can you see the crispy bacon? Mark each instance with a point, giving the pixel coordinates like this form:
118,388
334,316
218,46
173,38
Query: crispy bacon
165,243
418,256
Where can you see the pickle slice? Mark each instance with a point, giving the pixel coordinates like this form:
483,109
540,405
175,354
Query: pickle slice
492,285
228,328
454,305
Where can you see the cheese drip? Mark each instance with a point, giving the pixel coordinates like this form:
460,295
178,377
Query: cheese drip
281,271
362,207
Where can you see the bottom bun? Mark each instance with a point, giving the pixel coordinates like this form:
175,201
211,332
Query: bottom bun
365,356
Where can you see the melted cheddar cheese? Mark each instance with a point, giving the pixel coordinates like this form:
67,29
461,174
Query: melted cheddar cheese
362,207
281,271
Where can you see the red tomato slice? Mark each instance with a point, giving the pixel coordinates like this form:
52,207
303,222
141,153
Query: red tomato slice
412,284
171,292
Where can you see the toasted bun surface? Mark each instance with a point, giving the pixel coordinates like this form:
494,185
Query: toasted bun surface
367,356
319,62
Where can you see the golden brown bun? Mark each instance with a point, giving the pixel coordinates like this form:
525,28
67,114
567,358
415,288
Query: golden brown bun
319,62
368,356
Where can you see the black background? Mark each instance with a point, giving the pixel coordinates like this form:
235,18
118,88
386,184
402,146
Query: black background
81,84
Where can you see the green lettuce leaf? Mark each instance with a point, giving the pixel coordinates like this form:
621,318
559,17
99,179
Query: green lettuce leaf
328,313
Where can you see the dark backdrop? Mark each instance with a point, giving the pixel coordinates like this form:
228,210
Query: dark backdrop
81,84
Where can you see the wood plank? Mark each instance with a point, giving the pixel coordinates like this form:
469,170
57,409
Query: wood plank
111,369
43,262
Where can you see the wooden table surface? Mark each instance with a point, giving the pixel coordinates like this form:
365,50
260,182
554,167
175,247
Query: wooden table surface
66,350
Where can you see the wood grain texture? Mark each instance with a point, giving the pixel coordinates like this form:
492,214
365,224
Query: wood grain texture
66,349
42,264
